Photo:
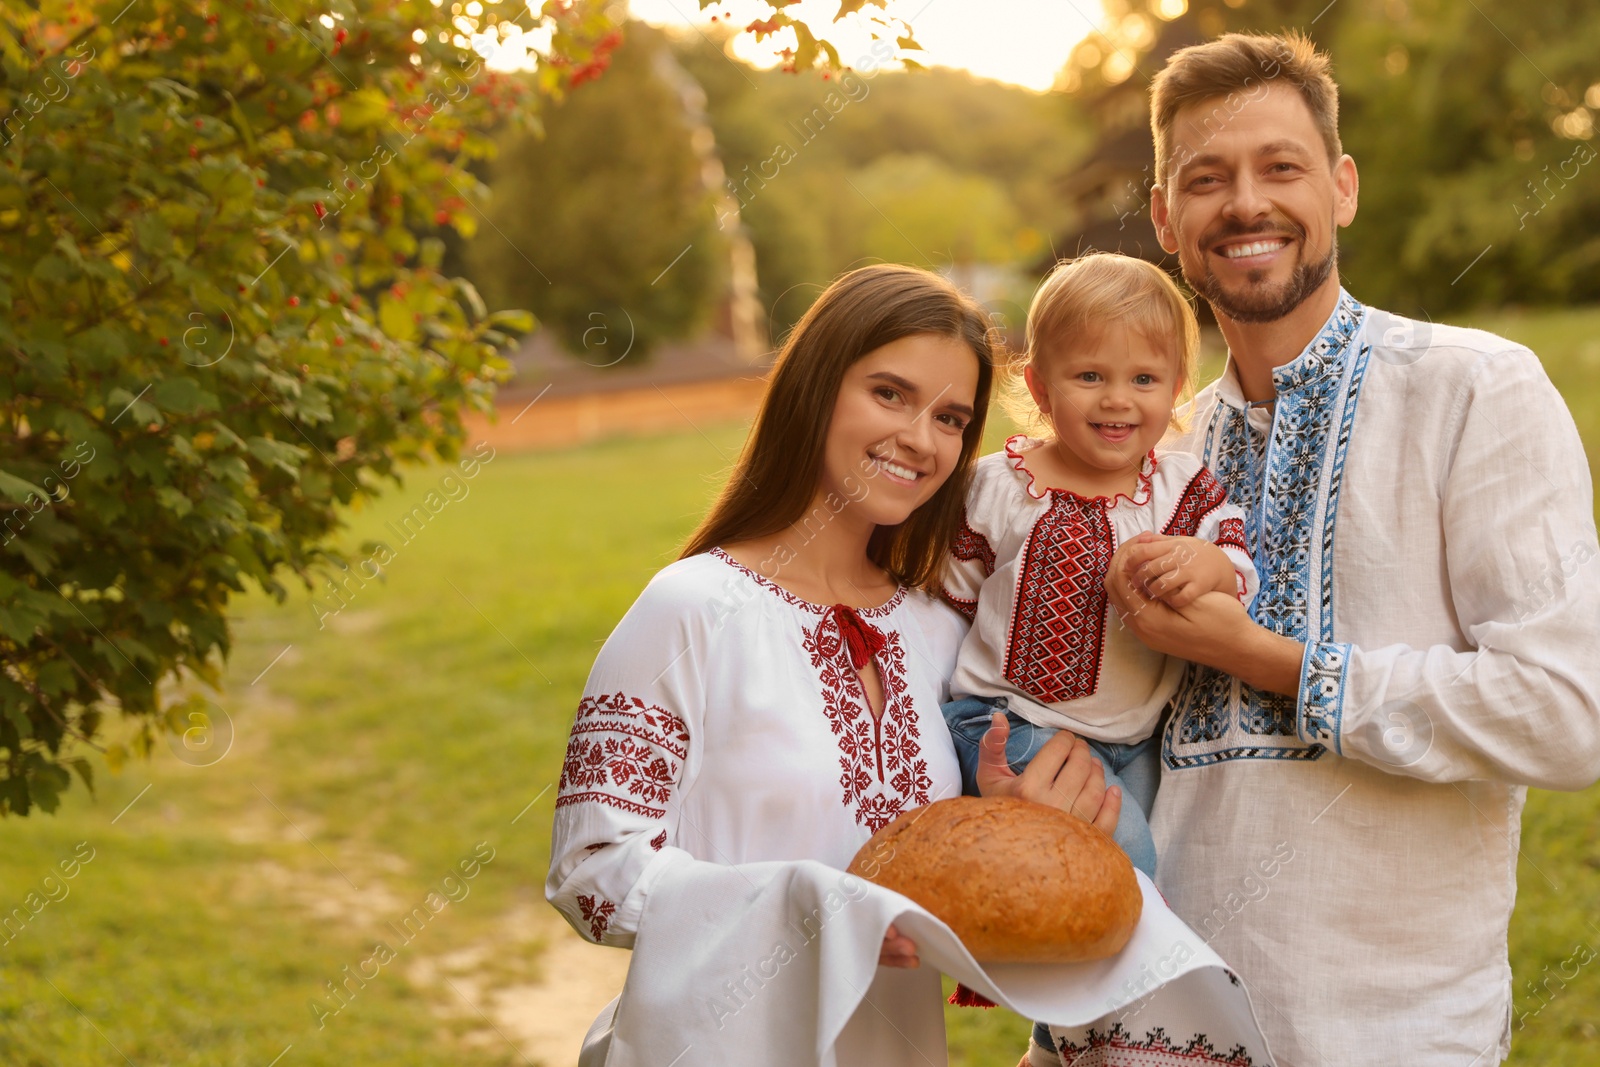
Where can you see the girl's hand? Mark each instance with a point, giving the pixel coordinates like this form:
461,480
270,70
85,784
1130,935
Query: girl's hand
1174,570
898,950
1063,774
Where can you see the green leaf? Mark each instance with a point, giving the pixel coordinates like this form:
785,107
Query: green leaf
280,454
84,771
19,489
174,500
183,396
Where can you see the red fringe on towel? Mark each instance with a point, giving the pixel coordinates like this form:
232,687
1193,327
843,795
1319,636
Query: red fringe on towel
966,998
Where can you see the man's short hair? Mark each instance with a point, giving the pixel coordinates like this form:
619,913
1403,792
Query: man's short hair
1237,67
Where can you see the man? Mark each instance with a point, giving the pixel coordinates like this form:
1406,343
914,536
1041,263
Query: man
1342,783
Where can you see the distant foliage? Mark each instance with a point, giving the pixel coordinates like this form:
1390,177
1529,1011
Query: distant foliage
601,223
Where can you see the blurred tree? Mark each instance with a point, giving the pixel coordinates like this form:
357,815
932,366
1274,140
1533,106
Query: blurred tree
789,154
918,209
624,239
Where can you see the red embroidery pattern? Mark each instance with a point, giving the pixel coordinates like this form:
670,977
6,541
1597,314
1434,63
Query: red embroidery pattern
597,912
969,608
881,772
970,544
1200,497
1230,532
1058,627
789,598
623,753
659,841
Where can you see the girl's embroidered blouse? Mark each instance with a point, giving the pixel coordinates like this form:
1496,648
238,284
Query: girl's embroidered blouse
1028,568
724,718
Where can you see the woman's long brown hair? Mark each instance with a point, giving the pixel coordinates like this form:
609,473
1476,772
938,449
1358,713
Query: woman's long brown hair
776,476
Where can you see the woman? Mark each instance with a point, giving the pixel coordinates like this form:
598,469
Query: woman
775,693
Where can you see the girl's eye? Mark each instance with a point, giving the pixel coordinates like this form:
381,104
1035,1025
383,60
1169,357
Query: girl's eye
1089,376
1144,379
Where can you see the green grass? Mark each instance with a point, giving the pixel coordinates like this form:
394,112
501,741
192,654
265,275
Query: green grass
379,750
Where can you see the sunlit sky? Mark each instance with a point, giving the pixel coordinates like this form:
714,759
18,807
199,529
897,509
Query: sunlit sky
1025,42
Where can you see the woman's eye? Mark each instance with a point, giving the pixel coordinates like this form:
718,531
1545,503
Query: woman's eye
955,422
883,392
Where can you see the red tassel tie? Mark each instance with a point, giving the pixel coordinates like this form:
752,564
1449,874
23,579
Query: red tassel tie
862,638
966,998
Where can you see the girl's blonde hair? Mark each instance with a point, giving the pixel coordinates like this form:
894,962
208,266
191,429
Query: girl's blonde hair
1078,299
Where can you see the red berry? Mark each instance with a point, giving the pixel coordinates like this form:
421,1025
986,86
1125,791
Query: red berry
294,301
441,217
163,342
194,153
198,124
321,211
338,342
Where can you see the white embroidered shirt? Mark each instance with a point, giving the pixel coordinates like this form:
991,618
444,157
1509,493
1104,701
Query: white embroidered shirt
1419,505
724,718
1029,567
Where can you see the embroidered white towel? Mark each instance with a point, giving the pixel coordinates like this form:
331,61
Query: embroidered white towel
776,963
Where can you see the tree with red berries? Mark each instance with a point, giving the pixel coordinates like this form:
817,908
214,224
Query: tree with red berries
222,318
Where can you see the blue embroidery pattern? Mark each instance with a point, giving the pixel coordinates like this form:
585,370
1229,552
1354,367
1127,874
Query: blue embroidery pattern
1290,522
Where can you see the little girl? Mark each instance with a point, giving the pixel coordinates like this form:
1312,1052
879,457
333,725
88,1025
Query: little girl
1111,345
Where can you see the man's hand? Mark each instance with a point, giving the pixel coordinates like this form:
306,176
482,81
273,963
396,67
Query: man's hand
1175,570
1215,630
1063,774
898,950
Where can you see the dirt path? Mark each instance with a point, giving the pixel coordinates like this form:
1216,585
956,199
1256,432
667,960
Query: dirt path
531,420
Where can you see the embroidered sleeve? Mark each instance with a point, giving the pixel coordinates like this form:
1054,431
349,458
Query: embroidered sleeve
1203,511
970,563
624,768
1200,500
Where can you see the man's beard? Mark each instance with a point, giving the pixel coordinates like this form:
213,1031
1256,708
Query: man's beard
1257,304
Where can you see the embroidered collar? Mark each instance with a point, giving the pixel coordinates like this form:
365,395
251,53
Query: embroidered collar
821,609
1018,445
1325,355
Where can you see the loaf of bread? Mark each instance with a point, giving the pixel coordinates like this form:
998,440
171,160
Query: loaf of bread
1018,882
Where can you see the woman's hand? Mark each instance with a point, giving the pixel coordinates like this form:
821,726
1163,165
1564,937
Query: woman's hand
1063,774
898,950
